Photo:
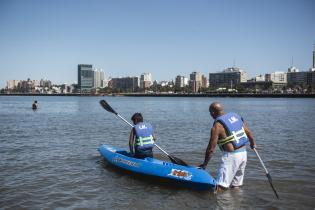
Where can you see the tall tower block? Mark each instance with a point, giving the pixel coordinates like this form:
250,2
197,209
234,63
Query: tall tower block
314,57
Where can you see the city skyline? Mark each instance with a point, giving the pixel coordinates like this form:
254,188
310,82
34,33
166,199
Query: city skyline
47,39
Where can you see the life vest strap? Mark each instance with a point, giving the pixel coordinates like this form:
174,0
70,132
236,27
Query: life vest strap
236,136
144,141
228,139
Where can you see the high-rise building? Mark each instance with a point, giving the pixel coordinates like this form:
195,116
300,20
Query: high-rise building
98,78
12,84
28,86
186,81
145,80
195,81
85,78
205,82
314,57
45,83
228,78
297,79
277,77
179,81
125,84
311,80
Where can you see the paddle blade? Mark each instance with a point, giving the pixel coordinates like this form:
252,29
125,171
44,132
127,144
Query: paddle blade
108,108
177,161
270,181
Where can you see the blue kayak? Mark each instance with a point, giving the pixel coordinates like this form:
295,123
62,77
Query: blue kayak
187,176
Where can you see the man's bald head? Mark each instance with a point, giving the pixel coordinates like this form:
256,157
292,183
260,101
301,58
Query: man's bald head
216,109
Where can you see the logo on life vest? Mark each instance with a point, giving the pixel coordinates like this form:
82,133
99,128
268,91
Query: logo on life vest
233,120
142,127
182,174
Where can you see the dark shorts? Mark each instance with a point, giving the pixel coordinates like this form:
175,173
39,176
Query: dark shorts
143,153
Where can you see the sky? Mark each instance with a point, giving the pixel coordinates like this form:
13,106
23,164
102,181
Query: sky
47,39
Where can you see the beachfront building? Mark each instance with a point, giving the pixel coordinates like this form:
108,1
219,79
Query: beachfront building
179,81
98,78
85,78
181,84
311,79
124,84
45,83
195,82
204,81
278,79
145,80
28,86
295,78
12,84
229,78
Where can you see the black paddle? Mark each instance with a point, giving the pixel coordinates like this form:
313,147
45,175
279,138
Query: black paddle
267,173
108,108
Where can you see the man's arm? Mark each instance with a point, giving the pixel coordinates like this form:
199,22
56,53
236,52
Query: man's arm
214,136
131,141
250,136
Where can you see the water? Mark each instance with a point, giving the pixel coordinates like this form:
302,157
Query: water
49,157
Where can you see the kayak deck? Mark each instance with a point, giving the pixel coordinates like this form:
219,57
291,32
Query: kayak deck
188,176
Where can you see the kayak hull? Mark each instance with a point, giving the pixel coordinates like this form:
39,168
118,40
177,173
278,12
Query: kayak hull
186,176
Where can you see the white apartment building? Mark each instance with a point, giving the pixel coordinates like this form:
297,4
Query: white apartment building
11,84
181,81
277,77
98,78
145,80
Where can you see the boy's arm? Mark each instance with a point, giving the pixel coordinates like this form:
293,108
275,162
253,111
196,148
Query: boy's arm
131,141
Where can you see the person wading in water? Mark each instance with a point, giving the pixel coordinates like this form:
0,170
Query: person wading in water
34,105
231,134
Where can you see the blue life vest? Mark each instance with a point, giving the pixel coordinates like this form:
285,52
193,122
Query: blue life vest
233,124
144,136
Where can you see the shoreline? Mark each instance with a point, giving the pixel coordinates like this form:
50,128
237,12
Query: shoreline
237,95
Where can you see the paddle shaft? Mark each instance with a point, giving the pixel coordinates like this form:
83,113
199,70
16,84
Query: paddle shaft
267,173
262,163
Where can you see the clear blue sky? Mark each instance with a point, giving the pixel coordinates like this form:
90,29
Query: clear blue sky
48,39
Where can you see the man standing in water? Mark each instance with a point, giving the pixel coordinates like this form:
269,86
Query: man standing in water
231,134
34,105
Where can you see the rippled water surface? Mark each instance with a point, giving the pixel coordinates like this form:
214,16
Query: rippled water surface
49,158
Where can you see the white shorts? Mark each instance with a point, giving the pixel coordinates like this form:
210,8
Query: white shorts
232,168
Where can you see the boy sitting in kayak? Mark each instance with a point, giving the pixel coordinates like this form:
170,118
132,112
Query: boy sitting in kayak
141,140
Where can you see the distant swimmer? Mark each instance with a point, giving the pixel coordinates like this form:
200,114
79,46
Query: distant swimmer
34,105
231,134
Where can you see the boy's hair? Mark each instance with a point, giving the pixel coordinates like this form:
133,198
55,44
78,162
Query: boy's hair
137,117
